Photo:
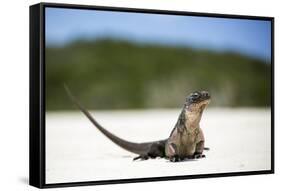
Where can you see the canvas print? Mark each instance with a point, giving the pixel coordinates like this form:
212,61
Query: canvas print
132,95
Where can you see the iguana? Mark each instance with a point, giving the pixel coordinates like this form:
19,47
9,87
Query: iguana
185,141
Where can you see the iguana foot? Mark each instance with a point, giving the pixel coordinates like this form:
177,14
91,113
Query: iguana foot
141,157
175,158
199,155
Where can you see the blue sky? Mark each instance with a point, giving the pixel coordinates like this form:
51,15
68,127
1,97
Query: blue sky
248,37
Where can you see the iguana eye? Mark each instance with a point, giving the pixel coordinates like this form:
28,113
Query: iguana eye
196,94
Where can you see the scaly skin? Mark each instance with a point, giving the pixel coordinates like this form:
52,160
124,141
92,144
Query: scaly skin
185,141
187,138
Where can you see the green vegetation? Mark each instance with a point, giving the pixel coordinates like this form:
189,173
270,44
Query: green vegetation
112,74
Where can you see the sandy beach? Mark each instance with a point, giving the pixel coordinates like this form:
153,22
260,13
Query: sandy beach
239,140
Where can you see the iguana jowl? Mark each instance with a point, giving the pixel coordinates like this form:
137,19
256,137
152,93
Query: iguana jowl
185,141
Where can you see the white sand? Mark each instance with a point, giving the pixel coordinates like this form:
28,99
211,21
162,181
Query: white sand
76,151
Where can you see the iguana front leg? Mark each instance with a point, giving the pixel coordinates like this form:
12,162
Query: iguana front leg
172,152
199,150
200,145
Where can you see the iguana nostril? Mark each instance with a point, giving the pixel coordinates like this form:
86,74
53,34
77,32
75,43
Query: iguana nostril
206,94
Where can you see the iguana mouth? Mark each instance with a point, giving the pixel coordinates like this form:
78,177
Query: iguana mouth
204,103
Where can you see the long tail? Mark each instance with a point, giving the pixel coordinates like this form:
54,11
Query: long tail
137,148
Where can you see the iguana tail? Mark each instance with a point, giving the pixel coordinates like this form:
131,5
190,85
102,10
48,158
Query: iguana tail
137,148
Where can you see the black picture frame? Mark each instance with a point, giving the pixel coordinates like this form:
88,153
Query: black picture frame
37,95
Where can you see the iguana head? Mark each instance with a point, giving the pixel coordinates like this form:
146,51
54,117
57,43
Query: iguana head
198,99
195,104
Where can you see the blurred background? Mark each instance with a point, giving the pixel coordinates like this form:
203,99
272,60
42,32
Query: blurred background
118,60
133,72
